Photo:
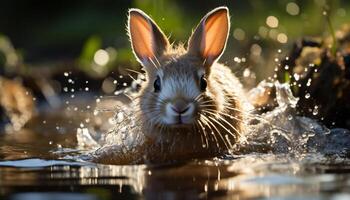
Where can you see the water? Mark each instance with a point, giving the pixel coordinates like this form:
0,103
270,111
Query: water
283,156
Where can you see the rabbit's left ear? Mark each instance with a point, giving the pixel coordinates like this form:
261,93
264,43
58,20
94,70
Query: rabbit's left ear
208,41
147,40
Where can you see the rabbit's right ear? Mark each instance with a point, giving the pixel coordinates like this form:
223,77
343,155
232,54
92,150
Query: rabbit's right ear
147,40
208,41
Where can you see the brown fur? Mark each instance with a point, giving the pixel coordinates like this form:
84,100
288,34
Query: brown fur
224,90
218,119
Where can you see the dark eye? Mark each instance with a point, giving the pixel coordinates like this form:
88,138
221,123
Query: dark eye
203,83
156,84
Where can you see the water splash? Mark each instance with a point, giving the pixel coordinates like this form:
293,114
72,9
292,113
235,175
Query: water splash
278,131
283,131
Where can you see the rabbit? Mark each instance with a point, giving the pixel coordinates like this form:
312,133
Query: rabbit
190,106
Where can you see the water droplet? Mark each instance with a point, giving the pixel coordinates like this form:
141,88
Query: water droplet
98,100
315,110
307,95
308,82
66,74
296,76
237,60
246,72
86,89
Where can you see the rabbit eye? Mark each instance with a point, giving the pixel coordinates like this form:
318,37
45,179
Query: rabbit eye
156,84
203,83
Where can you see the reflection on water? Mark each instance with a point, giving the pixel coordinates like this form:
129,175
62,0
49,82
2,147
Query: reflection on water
251,176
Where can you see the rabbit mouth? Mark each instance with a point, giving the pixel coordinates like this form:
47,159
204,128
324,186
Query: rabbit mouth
179,121
179,114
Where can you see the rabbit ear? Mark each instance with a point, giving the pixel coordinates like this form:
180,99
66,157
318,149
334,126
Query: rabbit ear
209,39
147,40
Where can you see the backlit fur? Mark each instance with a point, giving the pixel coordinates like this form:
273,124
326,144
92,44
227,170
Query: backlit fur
215,121
213,131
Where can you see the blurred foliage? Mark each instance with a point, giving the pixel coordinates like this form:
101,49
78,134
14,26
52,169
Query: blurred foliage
168,15
90,47
52,31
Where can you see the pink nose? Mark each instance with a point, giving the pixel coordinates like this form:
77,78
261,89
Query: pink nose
180,106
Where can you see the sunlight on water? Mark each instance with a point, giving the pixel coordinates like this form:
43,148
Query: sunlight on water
278,131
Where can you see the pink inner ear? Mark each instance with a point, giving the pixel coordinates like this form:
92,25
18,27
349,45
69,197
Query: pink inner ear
141,36
215,35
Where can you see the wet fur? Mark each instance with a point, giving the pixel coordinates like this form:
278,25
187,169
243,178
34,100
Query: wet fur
224,91
218,123
165,144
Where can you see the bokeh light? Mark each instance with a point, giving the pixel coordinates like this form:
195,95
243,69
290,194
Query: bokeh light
272,21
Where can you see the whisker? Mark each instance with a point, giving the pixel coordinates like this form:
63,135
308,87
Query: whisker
226,129
211,131
204,133
214,112
150,59
134,71
224,120
159,65
195,129
228,146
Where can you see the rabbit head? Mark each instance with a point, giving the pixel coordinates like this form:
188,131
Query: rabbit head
178,81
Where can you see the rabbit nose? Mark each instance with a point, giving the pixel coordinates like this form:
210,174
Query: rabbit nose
180,106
